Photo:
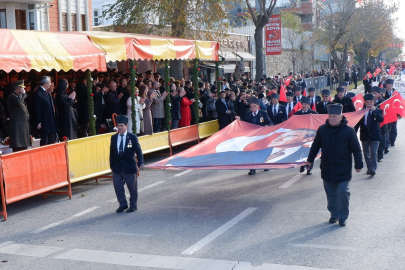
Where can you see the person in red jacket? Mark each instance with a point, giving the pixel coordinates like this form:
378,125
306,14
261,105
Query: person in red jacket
185,111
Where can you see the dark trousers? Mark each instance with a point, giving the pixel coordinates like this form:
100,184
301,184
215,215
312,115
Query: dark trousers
391,134
175,124
381,147
370,154
83,131
119,180
17,149
338,196
157,122
47,138
355,84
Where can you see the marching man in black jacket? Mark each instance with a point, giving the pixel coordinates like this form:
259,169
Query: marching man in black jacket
338,142
370,133
124,146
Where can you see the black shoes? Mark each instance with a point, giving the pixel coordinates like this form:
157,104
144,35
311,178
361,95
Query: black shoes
309,173
252,172
392,144
342,222
380,159
368,172
333,220
386,151
132,209
121,209
302,169
267,170
372,173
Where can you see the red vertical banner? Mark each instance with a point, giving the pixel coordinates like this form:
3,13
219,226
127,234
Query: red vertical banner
273,35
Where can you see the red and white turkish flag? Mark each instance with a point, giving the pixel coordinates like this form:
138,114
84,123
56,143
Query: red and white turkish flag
377,71
369,74
393,107
283,92
392,70
287,81
295,109
313,107
358,102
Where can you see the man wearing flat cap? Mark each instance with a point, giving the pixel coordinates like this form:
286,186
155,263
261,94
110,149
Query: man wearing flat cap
257,117
346,102
391,134
377,92
276,111
339,143
124,145
19,126
370,133
290,104
314,98
297,94
321,107
346,93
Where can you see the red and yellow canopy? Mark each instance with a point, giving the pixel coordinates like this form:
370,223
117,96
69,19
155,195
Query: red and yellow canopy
27,50
123,46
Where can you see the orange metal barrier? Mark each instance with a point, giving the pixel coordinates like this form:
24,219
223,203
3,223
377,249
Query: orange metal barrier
32,172
183,135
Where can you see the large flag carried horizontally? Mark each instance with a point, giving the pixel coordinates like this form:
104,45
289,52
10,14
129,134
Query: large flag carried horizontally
242,145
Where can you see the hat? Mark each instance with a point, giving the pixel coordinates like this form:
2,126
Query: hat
305,100
100,75
275,95
156,74
311,89
121,119
369,97
72,81
389,81
139,75
343,84
254,101
335,109
149,72
297,88
340,90
17,84
106,74
325,92
383,90
376,89
116,75
289,94
126,76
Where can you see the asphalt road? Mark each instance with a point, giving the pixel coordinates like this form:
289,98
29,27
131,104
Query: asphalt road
213,220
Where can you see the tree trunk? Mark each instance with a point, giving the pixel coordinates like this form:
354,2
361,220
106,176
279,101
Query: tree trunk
341,64
176,69
259,53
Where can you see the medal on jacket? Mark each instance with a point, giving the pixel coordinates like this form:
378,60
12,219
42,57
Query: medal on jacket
129,144
261,119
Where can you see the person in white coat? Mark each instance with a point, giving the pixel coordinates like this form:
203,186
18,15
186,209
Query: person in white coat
139,106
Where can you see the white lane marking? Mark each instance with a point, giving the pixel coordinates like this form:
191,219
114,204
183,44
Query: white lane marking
182,173
323,247
291,181
29,250
132,234
65,220
191,250
6,243
142,189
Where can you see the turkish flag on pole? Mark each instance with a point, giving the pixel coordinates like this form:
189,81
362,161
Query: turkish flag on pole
358,102
314,107
382,64
377,71
393,107
296,108
304,92
369,74
287,81
283,91
392,70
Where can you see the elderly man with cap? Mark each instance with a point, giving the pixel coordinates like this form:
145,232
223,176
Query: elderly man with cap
257,117
124,145
370,133
346,102
306,103
321,107
315,99
290,104
339,143
391,134
19,127
376,91
297,94
346,93
276,111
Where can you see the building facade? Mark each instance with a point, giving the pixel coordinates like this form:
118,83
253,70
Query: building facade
46,15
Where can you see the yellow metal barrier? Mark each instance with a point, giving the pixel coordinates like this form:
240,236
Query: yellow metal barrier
89,157
207,129
155,142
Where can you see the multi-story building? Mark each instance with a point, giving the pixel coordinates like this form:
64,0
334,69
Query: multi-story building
46,15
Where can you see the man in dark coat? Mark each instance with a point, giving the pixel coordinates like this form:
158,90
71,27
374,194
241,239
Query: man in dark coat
242,105
290,104
204,96
306,103
297,94
354,77
346,93
66,117
175,97
112,101
122,88
276,111
257,117
338,142
45,112
221,107
19,126
391,134
124,145
82,98
99,106
370,133
346,102
321,107
367,84
376,91
314,98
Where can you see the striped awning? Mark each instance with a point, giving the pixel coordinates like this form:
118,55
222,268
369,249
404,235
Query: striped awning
123,46
37,50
